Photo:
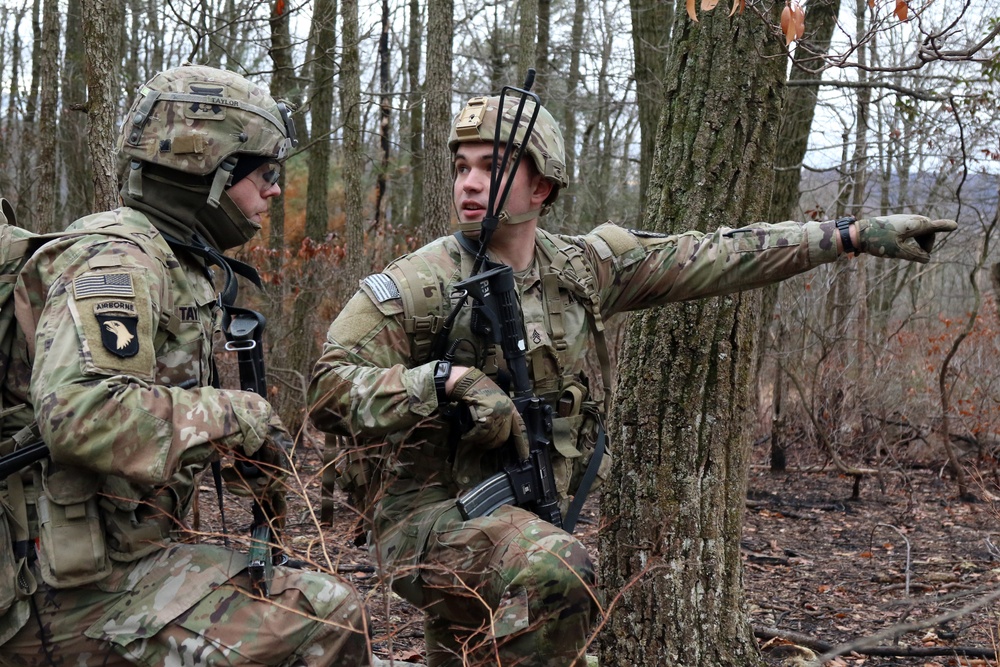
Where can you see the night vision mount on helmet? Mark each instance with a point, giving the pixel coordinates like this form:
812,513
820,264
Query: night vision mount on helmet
198,120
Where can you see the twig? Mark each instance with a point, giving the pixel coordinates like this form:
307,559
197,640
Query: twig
864,644
871,539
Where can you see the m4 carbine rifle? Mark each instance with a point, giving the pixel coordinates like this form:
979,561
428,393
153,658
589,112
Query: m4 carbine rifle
527,482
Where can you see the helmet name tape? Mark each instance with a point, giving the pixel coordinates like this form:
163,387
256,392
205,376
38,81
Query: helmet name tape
213,107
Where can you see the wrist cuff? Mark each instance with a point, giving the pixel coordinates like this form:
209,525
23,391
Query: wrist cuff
844,227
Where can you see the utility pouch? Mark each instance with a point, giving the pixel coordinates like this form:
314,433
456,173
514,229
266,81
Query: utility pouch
8,562
72,549
15,547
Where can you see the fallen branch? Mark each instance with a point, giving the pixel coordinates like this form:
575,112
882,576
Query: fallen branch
878,651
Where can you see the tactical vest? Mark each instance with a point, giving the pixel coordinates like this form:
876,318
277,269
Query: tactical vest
564,274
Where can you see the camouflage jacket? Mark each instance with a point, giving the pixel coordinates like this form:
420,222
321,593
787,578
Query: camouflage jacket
113,358
374,382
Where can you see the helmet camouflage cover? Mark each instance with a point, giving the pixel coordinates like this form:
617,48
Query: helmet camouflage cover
477,122
191,118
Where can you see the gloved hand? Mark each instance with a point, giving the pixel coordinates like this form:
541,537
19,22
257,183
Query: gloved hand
908,237
492,413
263,471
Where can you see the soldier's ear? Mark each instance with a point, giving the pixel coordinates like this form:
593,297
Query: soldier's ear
542,188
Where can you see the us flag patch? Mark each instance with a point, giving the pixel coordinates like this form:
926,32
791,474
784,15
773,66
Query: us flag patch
103,284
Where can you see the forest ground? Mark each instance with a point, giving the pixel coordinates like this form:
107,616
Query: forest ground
817,564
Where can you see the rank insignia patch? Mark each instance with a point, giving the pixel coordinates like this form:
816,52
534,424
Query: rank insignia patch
119,327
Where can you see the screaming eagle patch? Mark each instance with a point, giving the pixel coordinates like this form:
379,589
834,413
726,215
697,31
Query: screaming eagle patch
115,321
119,327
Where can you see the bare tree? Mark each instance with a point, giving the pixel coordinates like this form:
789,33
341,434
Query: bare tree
651,21
437,122
324,33
47,196
100,27
358,264
416,106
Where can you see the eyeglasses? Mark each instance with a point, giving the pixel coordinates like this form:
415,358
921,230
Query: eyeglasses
272,174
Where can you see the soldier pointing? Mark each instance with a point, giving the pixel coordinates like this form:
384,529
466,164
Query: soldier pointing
425,395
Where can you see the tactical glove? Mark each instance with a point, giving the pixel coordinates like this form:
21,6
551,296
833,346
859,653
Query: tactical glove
492,413
262,472
908,237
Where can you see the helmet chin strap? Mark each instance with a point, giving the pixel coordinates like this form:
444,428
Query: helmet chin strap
505,219
221,180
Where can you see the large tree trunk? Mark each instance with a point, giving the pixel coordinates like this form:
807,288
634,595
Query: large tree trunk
542,48
437,122
101,22
13,133
800,107
682,441
385,118
796,123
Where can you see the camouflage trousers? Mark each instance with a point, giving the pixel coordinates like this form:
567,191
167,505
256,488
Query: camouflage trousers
188,605
508,589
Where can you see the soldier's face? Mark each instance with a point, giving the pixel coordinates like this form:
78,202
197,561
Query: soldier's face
473,167
250,194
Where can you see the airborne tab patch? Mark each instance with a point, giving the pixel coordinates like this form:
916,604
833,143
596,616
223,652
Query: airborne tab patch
119,327
103,284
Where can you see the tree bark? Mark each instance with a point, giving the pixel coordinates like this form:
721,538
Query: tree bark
797,116
569,121
27,177
321,113
13,130
651,21
683,456
385,118
542,68
47,196
437,123
800,108
527,32
358,264
101,21
416,119
74,163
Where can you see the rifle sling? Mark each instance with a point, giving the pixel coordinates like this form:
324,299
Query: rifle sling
580,497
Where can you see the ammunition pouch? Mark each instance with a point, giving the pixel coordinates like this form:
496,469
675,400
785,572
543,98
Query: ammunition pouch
134,530
574,439
71,544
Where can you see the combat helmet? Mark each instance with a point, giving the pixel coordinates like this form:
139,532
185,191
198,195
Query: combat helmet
198,120
477,122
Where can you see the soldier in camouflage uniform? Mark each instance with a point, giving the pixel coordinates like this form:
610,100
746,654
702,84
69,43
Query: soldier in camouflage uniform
510,588
113,359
